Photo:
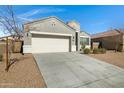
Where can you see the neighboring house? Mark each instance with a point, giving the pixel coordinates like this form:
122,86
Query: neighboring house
51,35
4,38
10,37
111,40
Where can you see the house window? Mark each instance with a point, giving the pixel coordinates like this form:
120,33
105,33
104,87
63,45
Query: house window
84,41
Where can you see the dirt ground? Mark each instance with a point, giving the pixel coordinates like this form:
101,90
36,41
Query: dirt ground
24,73
115,58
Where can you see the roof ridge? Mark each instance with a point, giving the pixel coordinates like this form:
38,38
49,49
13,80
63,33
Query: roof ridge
39,19
108,31
112,32
84,32
48,18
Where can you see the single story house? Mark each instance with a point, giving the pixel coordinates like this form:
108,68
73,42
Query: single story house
4,37
111,40
52,35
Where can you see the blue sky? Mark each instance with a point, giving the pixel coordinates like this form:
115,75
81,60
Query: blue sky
93,19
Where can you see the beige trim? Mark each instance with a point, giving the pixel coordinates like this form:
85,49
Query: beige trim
47,33
85,36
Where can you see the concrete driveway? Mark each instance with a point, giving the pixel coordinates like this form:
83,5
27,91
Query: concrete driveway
78,70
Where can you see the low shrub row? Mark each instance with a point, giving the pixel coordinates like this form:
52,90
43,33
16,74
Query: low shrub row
94,51
87,51
1,57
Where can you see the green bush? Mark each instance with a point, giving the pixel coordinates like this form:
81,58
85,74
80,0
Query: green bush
83,47
86,51
99,51
1,57
102,50
96,51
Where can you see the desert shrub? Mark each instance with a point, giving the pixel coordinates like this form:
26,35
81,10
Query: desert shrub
1,57
102,50
83,47
86,51
99,51
96,51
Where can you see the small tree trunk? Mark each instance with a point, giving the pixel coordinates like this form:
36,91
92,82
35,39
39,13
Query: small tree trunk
7,62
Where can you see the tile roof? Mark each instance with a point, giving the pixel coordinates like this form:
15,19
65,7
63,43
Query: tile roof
108,33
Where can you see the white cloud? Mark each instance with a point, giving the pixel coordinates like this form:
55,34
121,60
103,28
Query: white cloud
51,10
30,13
99,23
27,16
23,19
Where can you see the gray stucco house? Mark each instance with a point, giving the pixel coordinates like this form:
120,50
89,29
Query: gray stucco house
53,35
111,40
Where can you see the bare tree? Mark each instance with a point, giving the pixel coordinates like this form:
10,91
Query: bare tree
8,21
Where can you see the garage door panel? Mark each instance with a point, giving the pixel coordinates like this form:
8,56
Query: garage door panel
50,44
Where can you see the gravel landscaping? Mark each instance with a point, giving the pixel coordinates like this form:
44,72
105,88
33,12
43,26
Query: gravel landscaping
23,73
112,57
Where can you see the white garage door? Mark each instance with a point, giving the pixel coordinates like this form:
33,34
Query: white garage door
49,44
